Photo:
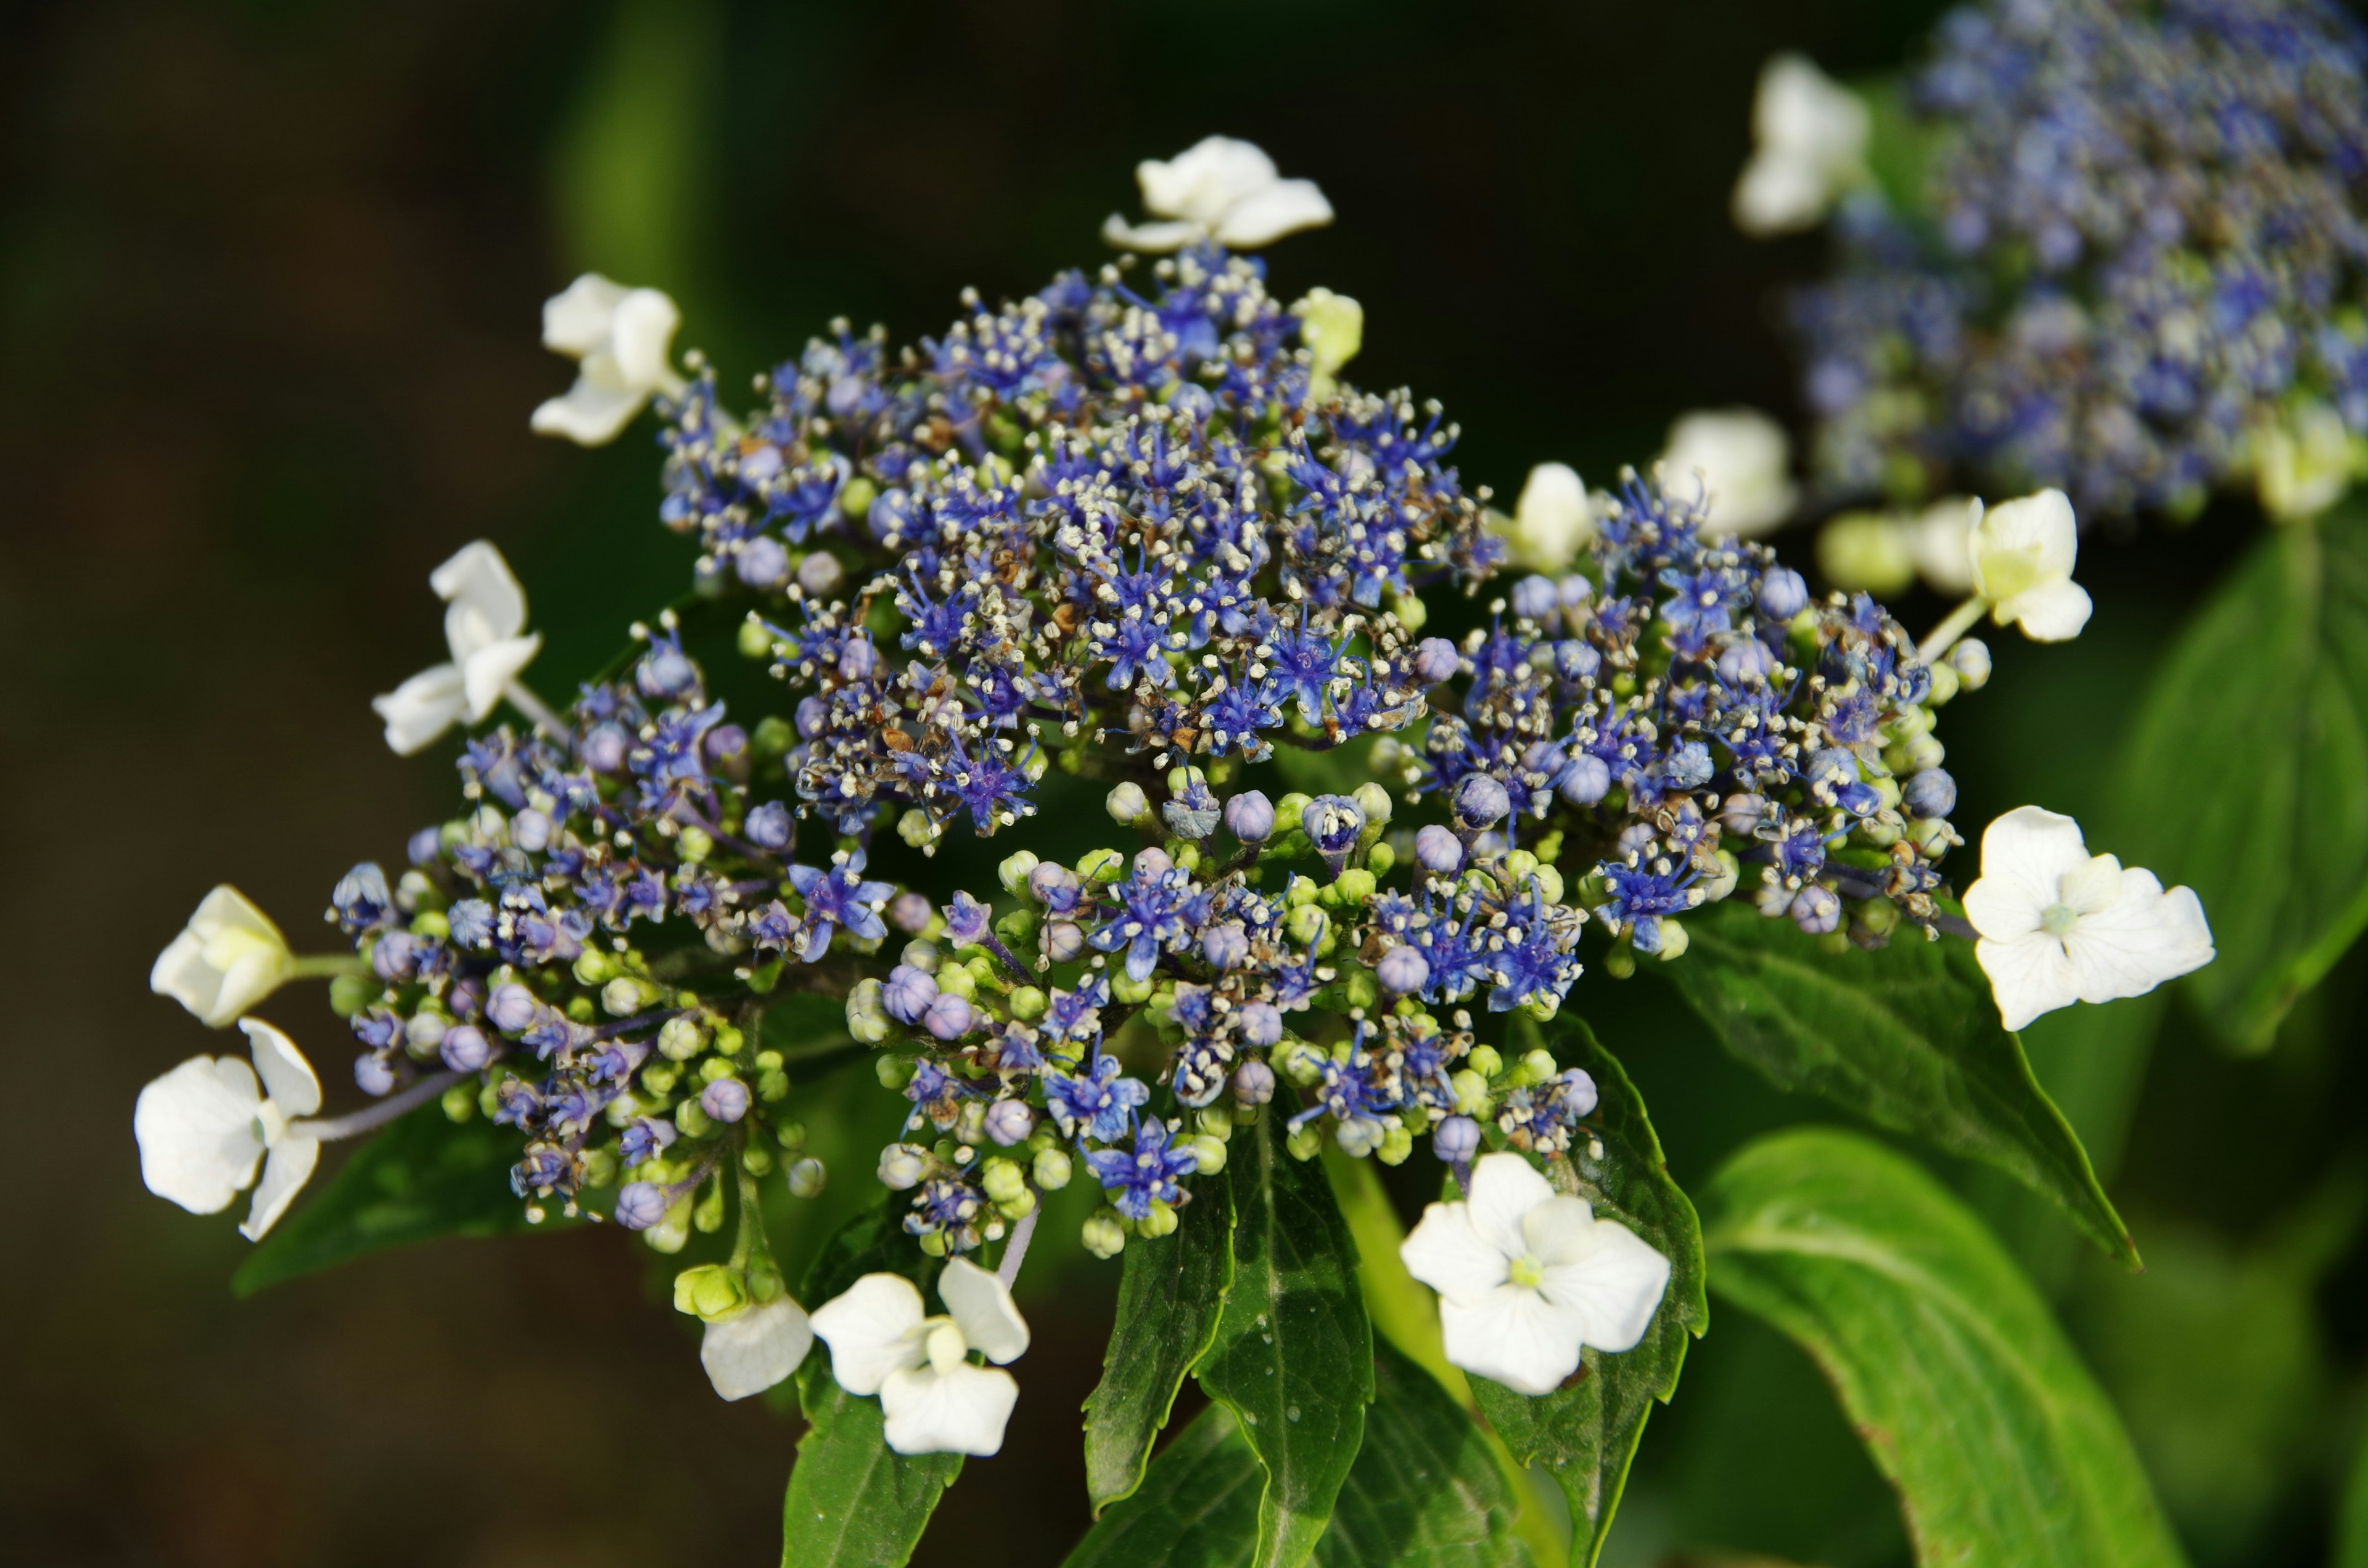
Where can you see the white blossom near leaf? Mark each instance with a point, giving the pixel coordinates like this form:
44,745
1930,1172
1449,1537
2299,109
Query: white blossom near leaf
2022,554
227,959
620,339
1221,189
1526,1279
204,1127
2302,465
1742,459
484,627
750,1352
934,1399
1552,522
1810,135
2058,926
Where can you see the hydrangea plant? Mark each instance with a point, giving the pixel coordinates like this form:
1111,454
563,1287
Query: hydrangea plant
1377,799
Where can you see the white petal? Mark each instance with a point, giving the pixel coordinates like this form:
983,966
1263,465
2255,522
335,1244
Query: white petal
197,1131
1613,1278
181,972
1778,193
1153,238
1265,216
253,972
1445,1253
479,580
589,415
959,1411
1943,539
2024,544
750,1353
2026,854
285,1172
422,708
1741,459
575,321
642,337
869,1331
982,1308
2029,975
1806,114
487,672
287,1077
2053,612
1505,1187
1205,179
2096,885
225,909
2145,937
1514,1336
1551,519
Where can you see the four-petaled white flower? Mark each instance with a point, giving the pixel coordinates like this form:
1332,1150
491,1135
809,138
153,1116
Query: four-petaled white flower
935,1402
751,1351
619,338
1741,459
2058,926
1525,1277
1220,189
1810,136
203,1127
486,628
227,959
2022,554
1553,517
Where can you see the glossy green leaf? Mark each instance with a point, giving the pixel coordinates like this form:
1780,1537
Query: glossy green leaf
2001,1446
1586,1433
2351,1516
2247,775
1907,1036
1170,1296
1424,1492
1198,1506
853,1501
422,1178
1293,1355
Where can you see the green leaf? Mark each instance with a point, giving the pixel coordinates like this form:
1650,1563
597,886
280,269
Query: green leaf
1170,1296
2247,775
1586,1433
1971,1403
1425,1491
853,1501
2351,1520
1198,1507
1294,1355
422,1177
1906,1035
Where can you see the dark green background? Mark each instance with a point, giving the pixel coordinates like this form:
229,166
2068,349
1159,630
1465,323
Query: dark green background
269,281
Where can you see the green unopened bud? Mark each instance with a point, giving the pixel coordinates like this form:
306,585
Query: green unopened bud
1019,1206
1101,866
1868,552
915,828
1102,1235
1289,811
624,996
772,1085
806,1178
933,1242
1536,1067
707,1212
670,1234
959,980
1304,1142
766,1284
772,736
923,956
691,1122
1971,659
459,1102
1333,327
1133,992
1620,961
755,642
1541,1008
713,1069
1934,837
1003,1179
1160,1222
756,1160
1299,1062
1674,940
1127,804
349,993
854,498
1052,1168
895,1071
1944,684
1308,925
1374,801
1412,613
1302,892
1380,859
1216,1121
1485,1061
679,1040
1471,1089
1361,987
601,1168
1519,864
594,966
1879,915
429,923
1208,1154
694,843
1395,1146
867,1012
1027,1004
1013,872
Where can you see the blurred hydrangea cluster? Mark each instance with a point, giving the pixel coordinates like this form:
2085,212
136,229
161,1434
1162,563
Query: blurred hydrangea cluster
2131,265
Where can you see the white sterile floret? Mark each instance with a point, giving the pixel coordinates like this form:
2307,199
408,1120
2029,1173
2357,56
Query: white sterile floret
1552,522
1526,1279
484,627
934,1399
2304,465
1741,459
2058,926
203,1127
227,959
620,339
1810,136
754,1349
2023,556
1942,539
1220,189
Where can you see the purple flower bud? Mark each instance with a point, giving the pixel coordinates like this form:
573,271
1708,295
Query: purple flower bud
727,749
1587,781
1262,1024
1456,1140
1637,838
1054,885
811,714
762,563
1009,1122
1741,814
512,1008
907,993
949,1017
604,748
891,511
1152,863
1576,591
1931,793
1249,816
640,1205
1253,1082
665,671
1332,823
1438,851
394,955
424,845
966,920
727,1100
1480,802
910,912
465,1048
468,996
1816,910
1064,940
1782,594
768,826
1577,1091
1435,660
820,574
373,1075
530,831
1746,661
1574,659
1536,598
859,659
1225,946
1402,971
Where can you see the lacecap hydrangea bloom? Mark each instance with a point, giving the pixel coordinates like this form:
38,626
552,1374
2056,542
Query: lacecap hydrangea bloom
1132,538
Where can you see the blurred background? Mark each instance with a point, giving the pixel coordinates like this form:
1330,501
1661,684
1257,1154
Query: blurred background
271,275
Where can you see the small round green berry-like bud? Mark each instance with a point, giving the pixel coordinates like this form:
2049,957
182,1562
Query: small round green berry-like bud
755,642
1290,809
895,1071
1358,1137
707,1212
1306,1141
756,1160
1052,1168
854,498
1620,961
1160,1222
1485,1061
772,736
1971,660
1127,804
1349,890
867,1012
1395,1146
601,1168
459,1102
670,1234
1674,940
1013,872
806,1178
1027,1004
349,993
691,1122
1374,801
1132,992
1380,859
764,1283
595,967
694,843
1299,1062
624,996
1208,1154
1944,684
1472,1096
679,1040
1880,916
915,828
1101,866
1308,925
1102,1235
1003,1179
